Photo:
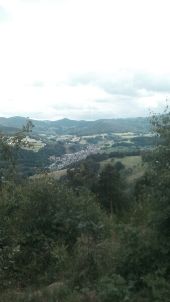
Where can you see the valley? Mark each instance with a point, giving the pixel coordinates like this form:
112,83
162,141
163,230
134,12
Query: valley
50,146
82,203
62,152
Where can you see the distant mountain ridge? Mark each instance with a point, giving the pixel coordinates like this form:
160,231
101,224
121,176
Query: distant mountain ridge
67,126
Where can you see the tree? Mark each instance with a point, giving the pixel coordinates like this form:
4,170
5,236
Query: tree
9,147
159,174
110,190
40,223
84,175
146,246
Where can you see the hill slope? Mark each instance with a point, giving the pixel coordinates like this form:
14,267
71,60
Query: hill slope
67,126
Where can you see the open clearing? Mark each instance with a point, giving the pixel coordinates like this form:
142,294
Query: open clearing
128,161
133,165
56,174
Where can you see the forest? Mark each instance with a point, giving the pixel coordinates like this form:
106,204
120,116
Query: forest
90,236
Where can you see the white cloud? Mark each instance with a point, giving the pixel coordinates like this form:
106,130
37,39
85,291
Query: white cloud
44,43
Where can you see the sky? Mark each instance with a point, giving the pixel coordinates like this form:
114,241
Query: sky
84,59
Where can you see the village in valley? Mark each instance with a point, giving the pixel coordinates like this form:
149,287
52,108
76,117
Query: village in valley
61,162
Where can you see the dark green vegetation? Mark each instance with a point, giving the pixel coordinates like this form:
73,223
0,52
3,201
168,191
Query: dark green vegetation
92,236
66,126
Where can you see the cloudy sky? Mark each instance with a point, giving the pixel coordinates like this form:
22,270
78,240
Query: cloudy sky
84,59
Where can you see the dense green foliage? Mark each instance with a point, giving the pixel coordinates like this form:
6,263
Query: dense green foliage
47,219
81,239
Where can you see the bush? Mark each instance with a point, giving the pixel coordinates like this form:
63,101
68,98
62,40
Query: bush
113,289
46,218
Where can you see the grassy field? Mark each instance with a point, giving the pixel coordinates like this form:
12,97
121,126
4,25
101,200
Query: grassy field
133,166
128,161
125,135
33,144
55,174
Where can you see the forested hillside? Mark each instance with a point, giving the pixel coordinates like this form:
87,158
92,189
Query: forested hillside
66,126
93,235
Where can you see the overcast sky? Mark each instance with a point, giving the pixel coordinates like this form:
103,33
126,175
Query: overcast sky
84,59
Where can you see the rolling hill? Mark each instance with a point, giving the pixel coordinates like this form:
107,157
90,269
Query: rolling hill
67,126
